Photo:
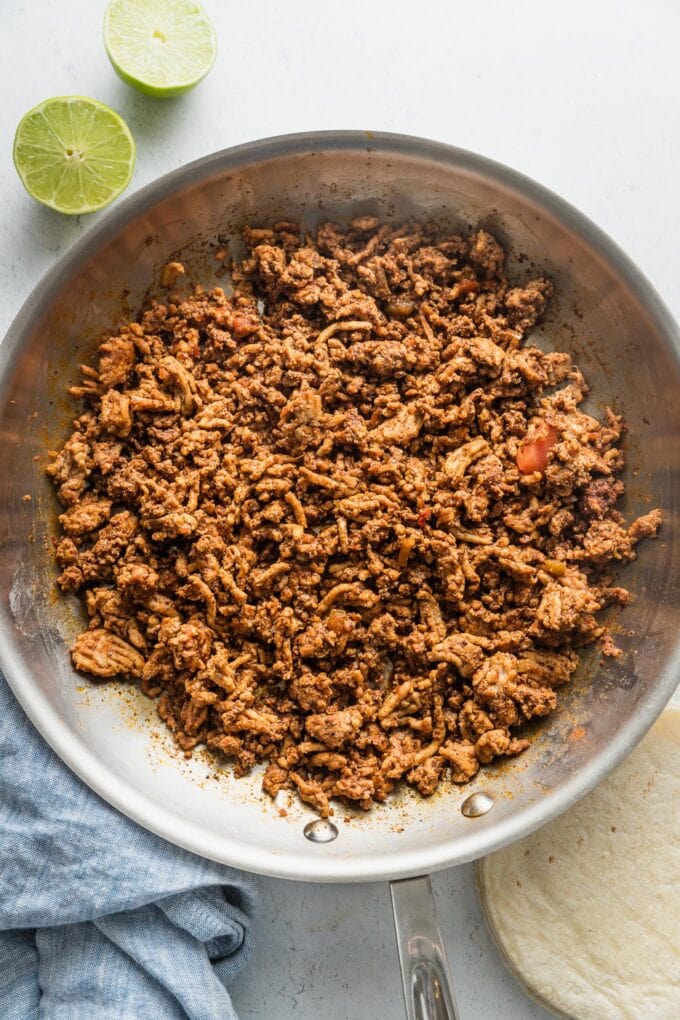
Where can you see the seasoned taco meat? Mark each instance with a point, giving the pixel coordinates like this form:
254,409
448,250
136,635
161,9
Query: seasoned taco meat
345,521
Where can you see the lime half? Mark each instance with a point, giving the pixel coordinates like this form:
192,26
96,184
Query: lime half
74,154
161,47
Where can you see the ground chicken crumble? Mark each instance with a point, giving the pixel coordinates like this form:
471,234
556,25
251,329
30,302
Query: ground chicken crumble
345,521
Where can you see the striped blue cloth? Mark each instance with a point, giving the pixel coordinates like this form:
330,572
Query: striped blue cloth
100,919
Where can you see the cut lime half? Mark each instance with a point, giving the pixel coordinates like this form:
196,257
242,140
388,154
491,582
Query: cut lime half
161,47
74,154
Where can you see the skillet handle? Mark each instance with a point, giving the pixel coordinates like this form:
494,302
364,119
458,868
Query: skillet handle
428,990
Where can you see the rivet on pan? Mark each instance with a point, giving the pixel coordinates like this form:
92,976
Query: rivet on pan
320,831
476,804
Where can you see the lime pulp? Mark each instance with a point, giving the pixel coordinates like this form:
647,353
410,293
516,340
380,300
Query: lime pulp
161,47
73,154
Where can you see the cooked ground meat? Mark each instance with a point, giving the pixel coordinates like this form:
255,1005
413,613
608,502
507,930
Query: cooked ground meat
344,521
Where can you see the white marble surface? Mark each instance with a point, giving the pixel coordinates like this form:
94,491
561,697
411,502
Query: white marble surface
582,95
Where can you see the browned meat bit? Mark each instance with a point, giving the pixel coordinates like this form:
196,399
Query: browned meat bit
645,526
336,728
115,414
275,779
357,535
425,777
599,496
492,744
525,305
102,654
463,759
486,254
116,361
70,469
171,272
85,516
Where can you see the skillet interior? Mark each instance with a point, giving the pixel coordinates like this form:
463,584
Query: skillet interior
605,314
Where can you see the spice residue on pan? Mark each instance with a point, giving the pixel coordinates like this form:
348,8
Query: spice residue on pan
345,521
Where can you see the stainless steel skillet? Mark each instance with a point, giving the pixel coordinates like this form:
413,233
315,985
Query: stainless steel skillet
606,314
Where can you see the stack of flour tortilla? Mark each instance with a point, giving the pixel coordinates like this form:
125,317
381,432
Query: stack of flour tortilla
586,911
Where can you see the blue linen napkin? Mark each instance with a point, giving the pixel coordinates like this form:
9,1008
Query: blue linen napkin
99,918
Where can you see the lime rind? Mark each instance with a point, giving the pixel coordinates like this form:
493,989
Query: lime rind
163,48
74,154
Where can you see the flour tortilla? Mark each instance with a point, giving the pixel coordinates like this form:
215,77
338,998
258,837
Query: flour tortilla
586,911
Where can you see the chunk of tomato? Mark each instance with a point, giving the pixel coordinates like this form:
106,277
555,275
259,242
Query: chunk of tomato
533,453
